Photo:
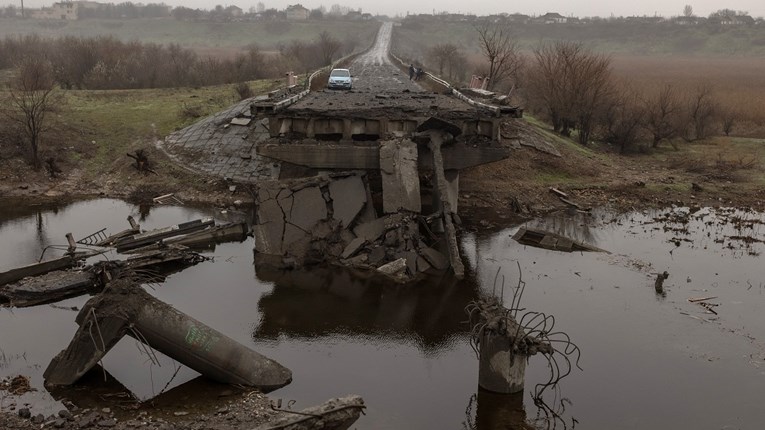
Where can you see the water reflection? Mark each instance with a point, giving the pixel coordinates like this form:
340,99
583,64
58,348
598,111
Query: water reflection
327,301
573,224
405,349
492,411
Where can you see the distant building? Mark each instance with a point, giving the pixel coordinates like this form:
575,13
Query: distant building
67,10
687,20
553,18
519,18
297,12
234,11
353,14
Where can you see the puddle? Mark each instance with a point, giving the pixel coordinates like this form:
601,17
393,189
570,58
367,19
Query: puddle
650,361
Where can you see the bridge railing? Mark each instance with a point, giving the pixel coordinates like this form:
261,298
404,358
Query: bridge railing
494,109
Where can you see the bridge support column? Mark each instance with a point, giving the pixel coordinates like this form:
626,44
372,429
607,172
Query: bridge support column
125,308
347,130
400,177
437,138
500,370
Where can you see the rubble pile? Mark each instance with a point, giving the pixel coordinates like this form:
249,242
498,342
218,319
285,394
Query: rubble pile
332,219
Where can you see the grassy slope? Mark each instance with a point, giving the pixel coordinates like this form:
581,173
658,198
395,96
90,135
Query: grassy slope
93,130
194,34
730,170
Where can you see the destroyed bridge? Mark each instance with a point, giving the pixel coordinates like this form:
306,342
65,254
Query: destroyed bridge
367,178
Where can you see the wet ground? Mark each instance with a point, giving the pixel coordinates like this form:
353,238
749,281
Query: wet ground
649,360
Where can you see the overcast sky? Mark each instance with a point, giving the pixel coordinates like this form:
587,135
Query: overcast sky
580,8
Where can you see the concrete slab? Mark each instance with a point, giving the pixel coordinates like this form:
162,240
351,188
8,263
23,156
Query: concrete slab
353,247
435,258
269,231
394,268
348,198
241,121
400,176
372,230
308,208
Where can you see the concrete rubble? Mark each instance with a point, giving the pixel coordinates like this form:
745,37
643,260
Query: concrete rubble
336,414
331,219
124,308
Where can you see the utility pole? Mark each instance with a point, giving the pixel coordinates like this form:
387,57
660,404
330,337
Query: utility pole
22,8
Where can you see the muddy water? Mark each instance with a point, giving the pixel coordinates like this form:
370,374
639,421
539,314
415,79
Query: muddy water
649,360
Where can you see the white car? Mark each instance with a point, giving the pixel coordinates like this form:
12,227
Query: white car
340,79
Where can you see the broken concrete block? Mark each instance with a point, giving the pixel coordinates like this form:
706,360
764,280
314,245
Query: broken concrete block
348,198
394,268
270,228
360,260
411,261
391,238
435,258
400,177
125,308
293,234
346,236
353,247
372,230
308,208
241,121
423,265
376,255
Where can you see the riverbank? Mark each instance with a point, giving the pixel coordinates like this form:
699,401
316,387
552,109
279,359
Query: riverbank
725,171
719,171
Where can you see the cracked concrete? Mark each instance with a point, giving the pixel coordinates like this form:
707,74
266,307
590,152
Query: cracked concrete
326,219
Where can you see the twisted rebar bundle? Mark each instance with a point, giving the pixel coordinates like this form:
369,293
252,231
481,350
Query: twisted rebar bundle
531,333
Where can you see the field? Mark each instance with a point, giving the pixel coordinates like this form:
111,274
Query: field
738,82
626,38
737,79
93,130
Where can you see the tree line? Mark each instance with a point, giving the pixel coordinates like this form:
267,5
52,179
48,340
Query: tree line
108,63
44,67
574,89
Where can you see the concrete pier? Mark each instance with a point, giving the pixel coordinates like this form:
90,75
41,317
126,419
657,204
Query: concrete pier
503,346
125,308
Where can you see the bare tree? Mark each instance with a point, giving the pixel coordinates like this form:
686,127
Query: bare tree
449,60
501,52
661,115
701,108
571,83
440,55
728,117
328,46
32,96
623,116
688,11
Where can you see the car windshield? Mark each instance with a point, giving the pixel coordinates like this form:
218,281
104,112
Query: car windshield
340,73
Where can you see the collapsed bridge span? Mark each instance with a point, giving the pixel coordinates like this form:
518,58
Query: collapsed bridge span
407,144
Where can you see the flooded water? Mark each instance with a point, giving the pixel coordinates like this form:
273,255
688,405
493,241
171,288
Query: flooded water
649,360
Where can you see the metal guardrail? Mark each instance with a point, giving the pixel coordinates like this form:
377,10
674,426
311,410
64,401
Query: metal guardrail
495,109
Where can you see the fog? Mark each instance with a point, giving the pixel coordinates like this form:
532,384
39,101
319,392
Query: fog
580,8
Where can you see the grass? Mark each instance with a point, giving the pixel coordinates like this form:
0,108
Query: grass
101,126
